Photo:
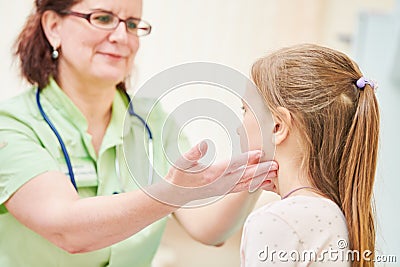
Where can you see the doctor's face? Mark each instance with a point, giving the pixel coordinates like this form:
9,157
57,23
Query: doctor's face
98,54
257,127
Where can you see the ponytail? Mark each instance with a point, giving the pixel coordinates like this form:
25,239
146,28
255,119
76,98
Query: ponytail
357,174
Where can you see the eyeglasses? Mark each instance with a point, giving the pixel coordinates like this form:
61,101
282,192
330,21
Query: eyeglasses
109,21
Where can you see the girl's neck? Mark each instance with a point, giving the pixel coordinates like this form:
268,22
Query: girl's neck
291,181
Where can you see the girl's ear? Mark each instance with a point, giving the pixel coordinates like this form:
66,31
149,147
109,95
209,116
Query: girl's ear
282,125
51,23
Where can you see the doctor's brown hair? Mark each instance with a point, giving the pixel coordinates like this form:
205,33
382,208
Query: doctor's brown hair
33,48
339,125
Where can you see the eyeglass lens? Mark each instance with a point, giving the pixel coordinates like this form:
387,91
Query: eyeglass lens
107,20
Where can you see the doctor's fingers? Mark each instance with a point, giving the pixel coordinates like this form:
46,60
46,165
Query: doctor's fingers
191,157
239,162
240,180
248,172
261,181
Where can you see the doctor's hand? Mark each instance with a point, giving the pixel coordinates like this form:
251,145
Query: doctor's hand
244,172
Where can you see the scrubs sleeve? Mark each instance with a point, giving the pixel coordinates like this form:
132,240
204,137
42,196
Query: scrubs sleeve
22,157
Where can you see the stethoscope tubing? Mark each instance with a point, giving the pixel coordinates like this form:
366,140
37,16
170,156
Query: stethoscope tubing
65,151
56,133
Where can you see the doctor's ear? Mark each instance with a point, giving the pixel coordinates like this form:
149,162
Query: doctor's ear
51,24
282,125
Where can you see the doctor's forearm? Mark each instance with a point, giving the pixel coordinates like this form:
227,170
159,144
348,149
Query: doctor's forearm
82,225
102,221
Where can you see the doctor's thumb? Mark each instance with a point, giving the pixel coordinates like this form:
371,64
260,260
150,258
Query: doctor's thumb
190,158
202,148
197,152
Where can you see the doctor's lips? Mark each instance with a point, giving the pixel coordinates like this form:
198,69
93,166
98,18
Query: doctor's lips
114,55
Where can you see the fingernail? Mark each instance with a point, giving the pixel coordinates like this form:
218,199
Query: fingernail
274,165
202,146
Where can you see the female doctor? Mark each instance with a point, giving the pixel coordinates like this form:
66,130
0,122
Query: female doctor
61,143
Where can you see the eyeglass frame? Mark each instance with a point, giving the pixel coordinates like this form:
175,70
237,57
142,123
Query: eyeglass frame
87,16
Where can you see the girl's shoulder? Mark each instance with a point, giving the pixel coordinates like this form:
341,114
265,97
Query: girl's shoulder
302,211
298,222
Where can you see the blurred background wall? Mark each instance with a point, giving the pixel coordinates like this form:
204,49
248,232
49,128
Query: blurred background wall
235,33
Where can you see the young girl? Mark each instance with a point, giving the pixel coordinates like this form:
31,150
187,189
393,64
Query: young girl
325,127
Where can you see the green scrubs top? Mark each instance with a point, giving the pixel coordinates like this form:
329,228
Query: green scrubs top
28,148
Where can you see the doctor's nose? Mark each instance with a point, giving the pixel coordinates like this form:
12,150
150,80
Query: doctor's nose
120,33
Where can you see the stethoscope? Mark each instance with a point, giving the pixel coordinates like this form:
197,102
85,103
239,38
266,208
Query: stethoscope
64,148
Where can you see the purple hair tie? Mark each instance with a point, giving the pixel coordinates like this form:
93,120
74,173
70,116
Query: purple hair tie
363,81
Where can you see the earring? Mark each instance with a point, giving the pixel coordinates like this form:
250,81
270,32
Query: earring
55,54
